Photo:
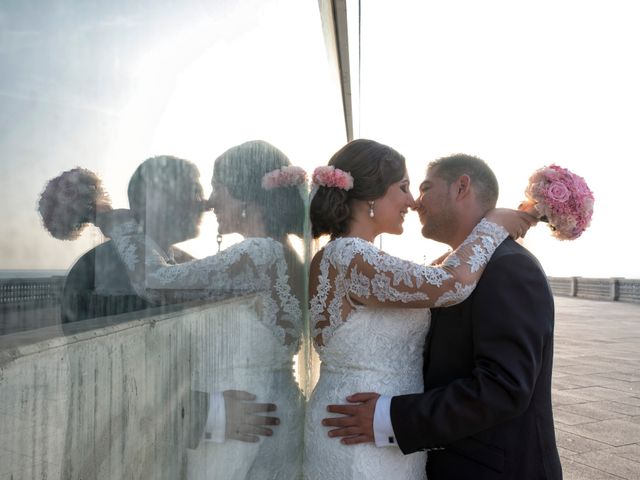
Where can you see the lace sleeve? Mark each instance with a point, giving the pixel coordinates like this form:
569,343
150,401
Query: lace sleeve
153,277
375,278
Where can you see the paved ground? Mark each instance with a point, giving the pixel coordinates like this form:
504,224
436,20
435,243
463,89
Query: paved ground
597,389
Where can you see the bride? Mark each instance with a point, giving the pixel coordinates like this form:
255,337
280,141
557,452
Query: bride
369,310
250,348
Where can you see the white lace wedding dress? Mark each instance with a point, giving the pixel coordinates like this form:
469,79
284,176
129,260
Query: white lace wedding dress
247,344
367,345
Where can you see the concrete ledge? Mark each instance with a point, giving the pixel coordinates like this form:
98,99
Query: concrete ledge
110,399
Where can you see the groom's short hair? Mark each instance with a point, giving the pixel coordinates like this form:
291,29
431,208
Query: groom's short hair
171,175
482,177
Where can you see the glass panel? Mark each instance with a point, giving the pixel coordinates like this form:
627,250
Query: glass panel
154,246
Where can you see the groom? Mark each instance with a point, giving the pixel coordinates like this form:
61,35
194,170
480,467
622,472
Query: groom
166,199
486,410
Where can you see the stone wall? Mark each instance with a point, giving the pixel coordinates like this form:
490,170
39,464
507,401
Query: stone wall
111,400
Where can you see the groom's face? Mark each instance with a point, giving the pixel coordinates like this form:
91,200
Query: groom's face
174,210
436,208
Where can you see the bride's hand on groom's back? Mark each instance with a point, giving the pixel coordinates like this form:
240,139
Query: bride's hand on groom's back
356,424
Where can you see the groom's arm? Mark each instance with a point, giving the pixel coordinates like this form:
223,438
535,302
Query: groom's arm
512,318
513,321
228,415
356,422
366,420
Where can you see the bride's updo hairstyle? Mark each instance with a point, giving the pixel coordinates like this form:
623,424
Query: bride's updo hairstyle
373,166
242,170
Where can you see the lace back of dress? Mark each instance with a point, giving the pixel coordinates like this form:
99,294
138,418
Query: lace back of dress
280,308
330,304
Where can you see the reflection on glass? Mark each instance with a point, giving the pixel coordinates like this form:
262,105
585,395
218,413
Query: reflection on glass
166,201
244,358
112,373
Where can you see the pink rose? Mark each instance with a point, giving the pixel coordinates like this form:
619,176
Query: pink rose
558,192
328,176
563,199
580,187
288,176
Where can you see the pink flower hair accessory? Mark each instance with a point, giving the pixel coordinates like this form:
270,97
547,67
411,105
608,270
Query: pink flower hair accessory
289,176
561,198
331,177
71,201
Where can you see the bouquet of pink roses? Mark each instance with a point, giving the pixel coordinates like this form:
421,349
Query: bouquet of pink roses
561,198
71,201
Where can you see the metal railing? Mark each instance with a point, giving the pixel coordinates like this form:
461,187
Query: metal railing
29,303
611,289
26,292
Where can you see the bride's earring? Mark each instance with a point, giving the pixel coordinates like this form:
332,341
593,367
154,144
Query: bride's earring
371,212
243,214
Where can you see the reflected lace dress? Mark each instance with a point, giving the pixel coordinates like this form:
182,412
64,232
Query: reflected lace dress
246,344
372,346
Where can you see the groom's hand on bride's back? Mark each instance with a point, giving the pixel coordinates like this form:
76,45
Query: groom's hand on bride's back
356,424
244,421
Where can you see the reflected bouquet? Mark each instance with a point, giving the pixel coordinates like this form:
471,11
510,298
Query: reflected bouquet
71,201
562,199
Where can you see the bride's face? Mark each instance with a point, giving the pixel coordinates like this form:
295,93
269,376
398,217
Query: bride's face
227,209
390,210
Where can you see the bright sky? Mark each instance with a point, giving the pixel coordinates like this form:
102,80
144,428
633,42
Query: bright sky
520,85
107,86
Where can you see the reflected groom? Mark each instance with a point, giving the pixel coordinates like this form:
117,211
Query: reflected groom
486,410
167,201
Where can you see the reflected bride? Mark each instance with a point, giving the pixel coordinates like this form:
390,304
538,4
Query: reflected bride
249,343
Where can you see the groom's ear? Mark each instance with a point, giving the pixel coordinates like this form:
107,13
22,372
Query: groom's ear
463,186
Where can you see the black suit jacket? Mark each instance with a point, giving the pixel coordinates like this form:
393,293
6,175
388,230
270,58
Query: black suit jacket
486,411
82,295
